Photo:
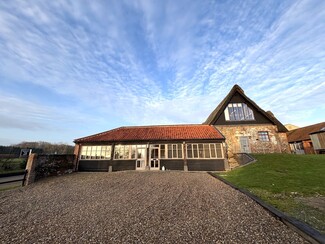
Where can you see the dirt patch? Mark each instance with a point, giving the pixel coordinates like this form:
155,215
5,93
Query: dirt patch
314,202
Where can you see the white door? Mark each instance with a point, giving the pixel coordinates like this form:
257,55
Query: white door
244,144
140,163
154,157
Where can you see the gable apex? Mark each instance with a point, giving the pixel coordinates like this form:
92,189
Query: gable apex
236,89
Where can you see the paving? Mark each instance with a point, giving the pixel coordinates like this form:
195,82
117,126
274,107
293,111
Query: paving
11,184
136,207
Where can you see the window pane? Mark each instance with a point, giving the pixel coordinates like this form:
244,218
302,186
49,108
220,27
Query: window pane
154,152
180,151
93,153
189,151
88,152
201,152
174,150
170,151
245,110
231,113
218,148
226,114
133,150
195,151
250,114
206,151
213,150
263,136
108,152
102,152
116,152
83,152
238,112
162,151
126,152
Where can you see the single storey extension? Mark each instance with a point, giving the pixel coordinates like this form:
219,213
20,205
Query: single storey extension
170,147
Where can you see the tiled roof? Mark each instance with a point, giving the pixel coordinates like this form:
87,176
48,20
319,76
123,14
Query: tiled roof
302,134
155,133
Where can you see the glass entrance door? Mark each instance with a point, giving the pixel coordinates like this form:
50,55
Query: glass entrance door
154,157
140,163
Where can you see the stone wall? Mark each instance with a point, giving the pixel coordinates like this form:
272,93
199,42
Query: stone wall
278,141
41,166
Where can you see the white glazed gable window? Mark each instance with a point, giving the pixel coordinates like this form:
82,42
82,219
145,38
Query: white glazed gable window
238,112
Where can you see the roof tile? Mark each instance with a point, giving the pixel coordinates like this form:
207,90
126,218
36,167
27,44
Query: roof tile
302,134
151,133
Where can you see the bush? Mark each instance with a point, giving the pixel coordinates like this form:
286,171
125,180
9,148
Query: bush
22,164
53,165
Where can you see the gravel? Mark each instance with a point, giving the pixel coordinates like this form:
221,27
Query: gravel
136,207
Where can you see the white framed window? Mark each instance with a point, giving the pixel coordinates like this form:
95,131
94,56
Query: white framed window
263,136
101,152
171,151
204,150
238,112
128,151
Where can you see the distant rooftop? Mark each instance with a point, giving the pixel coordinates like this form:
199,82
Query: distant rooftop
302,133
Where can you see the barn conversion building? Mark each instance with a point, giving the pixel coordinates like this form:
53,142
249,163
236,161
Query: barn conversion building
300,140
237,125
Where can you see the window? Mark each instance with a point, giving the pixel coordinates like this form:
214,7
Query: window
95,152
263,136
204,150
162,151
124,152
129,151
238,112
173,151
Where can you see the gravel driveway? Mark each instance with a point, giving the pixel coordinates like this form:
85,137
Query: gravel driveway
136,207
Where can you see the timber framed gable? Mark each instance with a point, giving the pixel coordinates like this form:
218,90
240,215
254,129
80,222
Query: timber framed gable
250,112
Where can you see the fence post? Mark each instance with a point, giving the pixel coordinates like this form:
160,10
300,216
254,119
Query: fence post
30,167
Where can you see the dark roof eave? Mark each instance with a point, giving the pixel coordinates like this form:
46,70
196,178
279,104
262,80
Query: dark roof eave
150,140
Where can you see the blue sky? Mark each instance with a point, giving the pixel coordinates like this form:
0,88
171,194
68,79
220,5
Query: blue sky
73,68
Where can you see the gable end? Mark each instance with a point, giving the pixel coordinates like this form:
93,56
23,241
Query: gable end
237,97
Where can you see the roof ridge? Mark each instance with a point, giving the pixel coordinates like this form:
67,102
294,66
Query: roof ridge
307,126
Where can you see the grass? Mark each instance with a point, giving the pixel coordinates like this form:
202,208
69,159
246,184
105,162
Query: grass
11,165
292,183
9,187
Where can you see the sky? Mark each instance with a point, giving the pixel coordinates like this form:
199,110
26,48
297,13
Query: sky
70,69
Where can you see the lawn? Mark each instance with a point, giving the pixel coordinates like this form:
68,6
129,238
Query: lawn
11,165
294,184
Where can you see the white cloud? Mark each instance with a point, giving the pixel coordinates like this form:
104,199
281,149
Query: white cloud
144,62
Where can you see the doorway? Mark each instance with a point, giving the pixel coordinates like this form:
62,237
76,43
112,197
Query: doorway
244,144
140,163
154,162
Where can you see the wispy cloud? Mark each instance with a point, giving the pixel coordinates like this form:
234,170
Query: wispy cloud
139,62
